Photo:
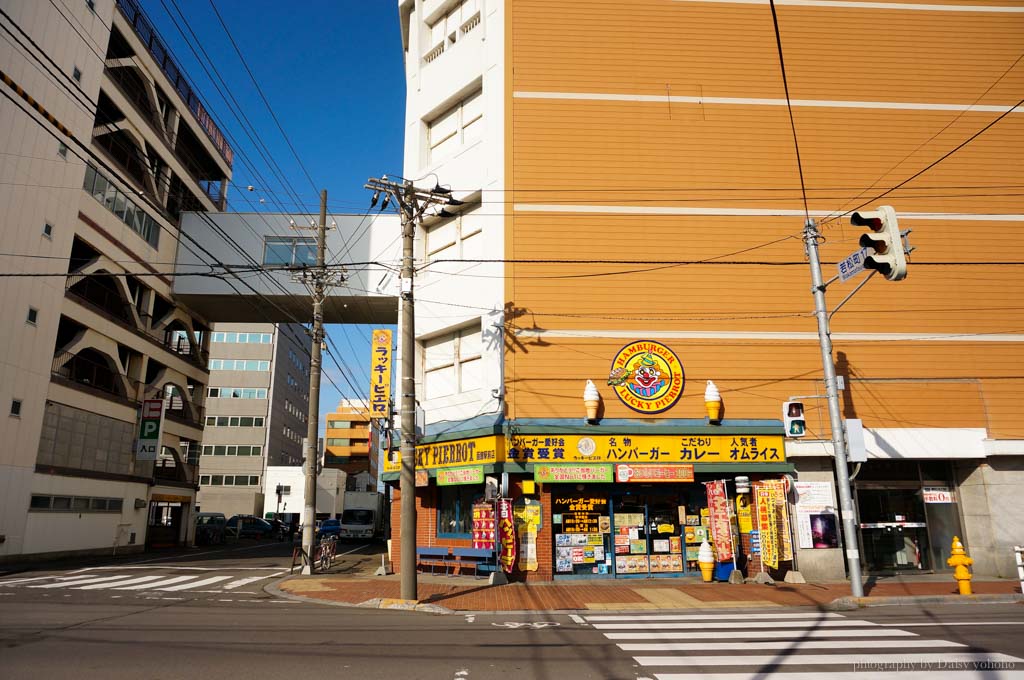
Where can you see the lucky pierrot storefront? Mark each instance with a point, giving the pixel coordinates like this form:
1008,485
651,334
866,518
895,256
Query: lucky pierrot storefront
557,499
615,500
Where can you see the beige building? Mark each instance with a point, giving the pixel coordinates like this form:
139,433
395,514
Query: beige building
90,195
256,413
349,444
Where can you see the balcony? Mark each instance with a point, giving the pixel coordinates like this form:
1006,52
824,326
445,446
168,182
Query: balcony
84,371
167,470
144,31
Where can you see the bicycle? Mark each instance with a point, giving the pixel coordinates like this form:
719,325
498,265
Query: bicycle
323,554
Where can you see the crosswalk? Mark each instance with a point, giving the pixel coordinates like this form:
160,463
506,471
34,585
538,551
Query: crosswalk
136,580
791,646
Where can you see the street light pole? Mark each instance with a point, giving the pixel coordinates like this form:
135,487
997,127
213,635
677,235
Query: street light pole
411,203
811,236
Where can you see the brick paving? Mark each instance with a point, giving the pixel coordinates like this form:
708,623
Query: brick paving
468,594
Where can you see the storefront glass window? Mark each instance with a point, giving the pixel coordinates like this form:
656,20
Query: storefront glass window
455,511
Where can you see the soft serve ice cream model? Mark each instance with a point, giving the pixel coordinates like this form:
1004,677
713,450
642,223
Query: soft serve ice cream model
713,402
591,399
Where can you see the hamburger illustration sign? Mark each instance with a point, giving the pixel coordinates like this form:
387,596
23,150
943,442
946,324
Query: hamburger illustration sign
647,376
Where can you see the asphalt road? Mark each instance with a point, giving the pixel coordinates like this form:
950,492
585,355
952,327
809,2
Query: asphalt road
197,638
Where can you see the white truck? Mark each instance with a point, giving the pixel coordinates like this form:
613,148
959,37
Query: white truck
362,515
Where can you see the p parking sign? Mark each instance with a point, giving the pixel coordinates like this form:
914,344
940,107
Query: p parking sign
151,426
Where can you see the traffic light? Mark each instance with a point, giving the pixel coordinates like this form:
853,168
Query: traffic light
885,239
793,417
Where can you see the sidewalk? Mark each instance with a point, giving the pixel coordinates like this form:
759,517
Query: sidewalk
468,594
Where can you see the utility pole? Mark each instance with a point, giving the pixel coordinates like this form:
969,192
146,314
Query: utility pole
811,236
317,280
411,203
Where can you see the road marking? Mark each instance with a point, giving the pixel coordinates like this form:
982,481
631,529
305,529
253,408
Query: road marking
763,635
82,581
349,552
158,584
577,619
955,623
833,675
800,625
203,582
26,580
103,586
250,579
908,660
788,645
704,617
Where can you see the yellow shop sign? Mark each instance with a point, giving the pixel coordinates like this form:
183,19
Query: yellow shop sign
647,449
456,453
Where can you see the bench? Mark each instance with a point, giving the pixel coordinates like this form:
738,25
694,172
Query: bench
481,559
433,556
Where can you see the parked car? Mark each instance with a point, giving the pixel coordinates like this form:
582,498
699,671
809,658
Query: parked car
249,526
329,527
210,528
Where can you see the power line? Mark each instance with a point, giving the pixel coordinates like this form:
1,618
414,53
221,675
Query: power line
789,107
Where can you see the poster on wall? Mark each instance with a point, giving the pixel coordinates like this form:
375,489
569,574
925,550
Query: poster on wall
814,499
506,535
744,513
718,517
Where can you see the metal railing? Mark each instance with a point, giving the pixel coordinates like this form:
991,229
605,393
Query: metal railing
145,32
86,374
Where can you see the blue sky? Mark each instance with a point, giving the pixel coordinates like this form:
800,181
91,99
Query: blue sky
332,70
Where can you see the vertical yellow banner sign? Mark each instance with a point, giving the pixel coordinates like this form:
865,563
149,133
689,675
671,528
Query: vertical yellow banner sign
380,373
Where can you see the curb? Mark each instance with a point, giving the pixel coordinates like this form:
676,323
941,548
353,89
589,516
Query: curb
375,603
851,603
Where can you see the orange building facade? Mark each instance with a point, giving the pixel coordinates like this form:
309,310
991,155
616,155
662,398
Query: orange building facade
347,442
650,200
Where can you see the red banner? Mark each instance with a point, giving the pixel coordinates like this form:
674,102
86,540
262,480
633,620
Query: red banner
507,535
718,515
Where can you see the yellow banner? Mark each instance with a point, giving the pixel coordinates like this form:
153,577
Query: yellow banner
380,373
647,449
458,453
778,489
597,449
767,527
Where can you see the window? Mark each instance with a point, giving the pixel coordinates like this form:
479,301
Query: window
33,316
47,230
42,502
457,238
455,511
452,27
339,424
204,480
456,128
62,150
244,338
16,408
116,202
338,441
236,392
452,363
296,251
76,73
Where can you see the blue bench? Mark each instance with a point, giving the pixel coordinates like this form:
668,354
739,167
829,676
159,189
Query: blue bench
481,559
436,556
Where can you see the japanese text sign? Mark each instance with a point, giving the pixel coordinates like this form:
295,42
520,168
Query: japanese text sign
380,373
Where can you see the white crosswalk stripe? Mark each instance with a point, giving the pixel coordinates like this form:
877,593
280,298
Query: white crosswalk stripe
148,579
791,646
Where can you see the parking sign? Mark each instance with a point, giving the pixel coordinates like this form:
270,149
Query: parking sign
151,426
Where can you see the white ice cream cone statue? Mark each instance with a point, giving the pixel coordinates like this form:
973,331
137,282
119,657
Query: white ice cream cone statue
706,561
591,399
713,402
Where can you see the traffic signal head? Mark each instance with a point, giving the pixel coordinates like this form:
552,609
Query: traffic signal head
793,417
883,237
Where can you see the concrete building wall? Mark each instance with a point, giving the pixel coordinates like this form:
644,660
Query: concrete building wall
991,512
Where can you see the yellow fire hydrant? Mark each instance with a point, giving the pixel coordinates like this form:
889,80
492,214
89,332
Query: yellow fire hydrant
960,561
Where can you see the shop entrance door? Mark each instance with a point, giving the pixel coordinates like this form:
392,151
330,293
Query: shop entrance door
893,529
646,535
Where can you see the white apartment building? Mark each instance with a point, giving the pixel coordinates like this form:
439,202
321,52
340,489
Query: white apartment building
90,196
256,413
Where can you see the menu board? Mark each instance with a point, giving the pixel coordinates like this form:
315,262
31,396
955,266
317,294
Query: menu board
582,542
483,526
